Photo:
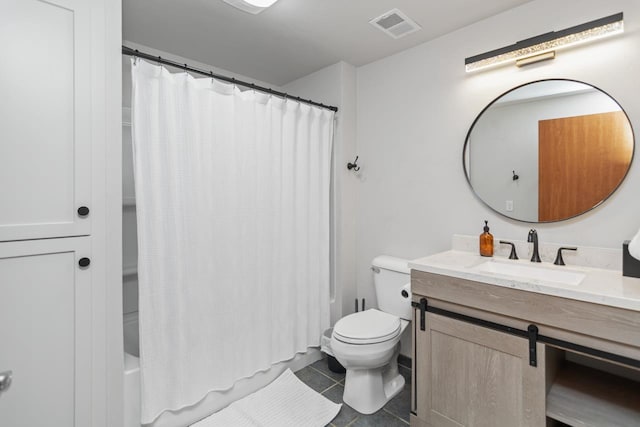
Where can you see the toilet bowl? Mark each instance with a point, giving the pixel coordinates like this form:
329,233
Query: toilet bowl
367,343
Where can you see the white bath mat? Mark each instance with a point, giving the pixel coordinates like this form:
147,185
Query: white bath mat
286,402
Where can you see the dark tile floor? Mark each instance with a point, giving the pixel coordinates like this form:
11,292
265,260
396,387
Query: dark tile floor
331,385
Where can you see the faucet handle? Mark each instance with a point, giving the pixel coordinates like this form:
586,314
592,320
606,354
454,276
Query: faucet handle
559,260
513,254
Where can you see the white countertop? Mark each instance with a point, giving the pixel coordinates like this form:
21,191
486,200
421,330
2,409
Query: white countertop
600,286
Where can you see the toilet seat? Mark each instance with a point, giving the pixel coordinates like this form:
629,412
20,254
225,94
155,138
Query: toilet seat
367,327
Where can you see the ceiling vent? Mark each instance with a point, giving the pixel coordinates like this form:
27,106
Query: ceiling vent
395,24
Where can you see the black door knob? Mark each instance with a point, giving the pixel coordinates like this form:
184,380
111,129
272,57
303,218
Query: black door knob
83,211
84,262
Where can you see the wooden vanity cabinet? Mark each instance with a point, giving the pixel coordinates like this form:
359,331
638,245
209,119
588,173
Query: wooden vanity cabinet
468,374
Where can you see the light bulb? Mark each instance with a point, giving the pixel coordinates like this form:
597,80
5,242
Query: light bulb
261,3
251,6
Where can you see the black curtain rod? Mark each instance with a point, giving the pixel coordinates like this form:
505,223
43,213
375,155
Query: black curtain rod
135,52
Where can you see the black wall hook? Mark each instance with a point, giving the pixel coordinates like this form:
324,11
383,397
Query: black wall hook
515,176
354,165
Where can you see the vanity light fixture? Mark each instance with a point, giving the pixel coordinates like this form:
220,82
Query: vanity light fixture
544,46
251,6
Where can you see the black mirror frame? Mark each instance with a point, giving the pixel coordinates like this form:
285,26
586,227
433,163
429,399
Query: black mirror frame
466,143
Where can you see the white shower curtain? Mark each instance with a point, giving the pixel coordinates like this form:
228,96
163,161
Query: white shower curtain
232,193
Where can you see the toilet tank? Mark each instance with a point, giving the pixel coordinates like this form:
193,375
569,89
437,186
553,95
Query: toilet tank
390,276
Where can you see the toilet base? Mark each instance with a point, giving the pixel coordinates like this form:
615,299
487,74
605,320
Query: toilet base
335,366
368,390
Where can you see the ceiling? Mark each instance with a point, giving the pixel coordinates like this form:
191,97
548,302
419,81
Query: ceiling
293,38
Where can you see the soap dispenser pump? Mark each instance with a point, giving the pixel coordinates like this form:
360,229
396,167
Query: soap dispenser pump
486,241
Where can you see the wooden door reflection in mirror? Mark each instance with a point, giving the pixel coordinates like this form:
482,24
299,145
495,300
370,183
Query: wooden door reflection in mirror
580,159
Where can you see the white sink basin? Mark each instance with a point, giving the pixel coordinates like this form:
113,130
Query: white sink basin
531,272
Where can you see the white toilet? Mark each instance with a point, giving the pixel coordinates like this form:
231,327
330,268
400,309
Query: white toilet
367,343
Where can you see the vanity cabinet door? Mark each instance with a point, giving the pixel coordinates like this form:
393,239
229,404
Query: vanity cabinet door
467,375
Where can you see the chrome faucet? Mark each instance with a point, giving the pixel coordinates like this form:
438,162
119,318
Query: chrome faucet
533,238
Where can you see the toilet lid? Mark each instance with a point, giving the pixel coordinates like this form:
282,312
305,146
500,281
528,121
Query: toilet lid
367,327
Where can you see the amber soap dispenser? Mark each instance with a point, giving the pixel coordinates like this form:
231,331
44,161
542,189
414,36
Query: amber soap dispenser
486,241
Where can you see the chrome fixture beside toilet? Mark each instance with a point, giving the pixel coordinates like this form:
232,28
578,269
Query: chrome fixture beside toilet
367,343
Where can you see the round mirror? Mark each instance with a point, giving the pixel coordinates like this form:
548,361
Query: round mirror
548,150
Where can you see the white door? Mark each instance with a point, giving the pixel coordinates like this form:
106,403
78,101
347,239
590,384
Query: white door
45,119
45,331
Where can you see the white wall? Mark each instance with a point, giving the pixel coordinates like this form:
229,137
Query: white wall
336,85
415,108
